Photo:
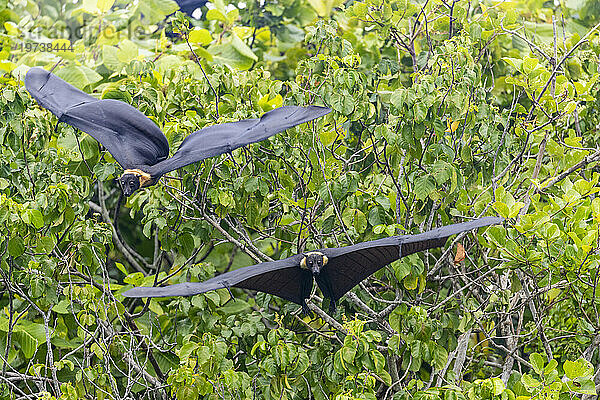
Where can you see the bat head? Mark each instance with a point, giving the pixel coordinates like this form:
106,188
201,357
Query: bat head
129,183
133,179
314,261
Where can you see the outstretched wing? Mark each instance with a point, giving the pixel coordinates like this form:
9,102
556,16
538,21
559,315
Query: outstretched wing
218,139
132,139
281,278
347,266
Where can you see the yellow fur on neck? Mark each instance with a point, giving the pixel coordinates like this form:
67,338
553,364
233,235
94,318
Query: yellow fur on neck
143,176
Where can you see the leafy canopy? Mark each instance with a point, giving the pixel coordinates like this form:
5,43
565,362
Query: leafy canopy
442,111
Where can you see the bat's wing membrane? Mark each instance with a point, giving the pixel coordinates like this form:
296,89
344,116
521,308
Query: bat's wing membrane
281,278
131,137
53,93
347,266
437,237
218,139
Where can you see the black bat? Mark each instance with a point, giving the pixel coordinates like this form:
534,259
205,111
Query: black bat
137,144
336,270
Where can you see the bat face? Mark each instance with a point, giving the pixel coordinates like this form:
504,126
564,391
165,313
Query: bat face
313,262
129,183
133,179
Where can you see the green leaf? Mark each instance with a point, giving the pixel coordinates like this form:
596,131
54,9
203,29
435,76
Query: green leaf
214,298
348,354
466,154
441,171
584,385
440,357
251,184
105,5
550,367
423,187
353,217
78,76
200,36
155,307
154,11
46,244
225,198
378,229
385,377
91,6
233,15
127,51
360,9
529,381
215,15
64,363
501,209
227,54
515,208
186,349
30,336
579,368
16,246
342,103
135,279
36,218
529,64
378,360
411,281
398,98
475,31
401,270
97,350
397,316
121,268
104,170
516,63
234,306
9,95
328,136
63,307
498,386
360,221
537,362
322,7
97,6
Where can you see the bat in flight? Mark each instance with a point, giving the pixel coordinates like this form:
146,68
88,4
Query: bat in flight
336,270
138,144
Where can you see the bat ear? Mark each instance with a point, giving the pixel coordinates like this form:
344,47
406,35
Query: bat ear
303,263
325,260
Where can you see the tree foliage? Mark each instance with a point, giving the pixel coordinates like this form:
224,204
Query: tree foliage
443,111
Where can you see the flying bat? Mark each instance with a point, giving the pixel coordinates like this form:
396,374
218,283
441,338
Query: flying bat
336,270
138,144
